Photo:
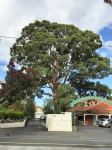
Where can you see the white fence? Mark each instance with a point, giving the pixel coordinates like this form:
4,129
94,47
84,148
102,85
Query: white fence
59,122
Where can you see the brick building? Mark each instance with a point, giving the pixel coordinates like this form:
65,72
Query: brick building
89,109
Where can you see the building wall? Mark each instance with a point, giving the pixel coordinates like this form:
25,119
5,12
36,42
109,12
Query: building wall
38,109
38,112
59,122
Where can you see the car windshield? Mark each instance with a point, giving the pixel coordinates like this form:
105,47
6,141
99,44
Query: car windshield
103,119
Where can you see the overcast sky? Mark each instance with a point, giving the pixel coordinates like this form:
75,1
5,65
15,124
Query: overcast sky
85,14
15,14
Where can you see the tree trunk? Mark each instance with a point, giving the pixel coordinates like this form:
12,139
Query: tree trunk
56,102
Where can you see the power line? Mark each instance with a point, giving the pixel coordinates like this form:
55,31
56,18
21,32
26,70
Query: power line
12,37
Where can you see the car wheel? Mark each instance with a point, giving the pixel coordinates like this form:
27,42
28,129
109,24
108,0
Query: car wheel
107,126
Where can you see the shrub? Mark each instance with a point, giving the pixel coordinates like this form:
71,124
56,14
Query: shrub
7,113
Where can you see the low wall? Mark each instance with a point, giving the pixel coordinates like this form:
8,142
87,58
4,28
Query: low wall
59,122
13,124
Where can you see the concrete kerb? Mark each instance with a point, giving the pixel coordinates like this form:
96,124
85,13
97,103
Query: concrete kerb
94,145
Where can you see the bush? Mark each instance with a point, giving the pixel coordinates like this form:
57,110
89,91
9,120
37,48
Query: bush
9,114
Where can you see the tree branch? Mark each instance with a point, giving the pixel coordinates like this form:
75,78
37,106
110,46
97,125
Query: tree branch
48,94
67,75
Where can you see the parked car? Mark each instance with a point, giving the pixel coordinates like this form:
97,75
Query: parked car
38,115
99,122
109,124
104,122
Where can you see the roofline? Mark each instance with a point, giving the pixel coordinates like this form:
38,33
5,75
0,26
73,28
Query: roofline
86,98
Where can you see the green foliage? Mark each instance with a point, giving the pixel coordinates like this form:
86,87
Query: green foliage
48,108
30,108
52,53
110,98
18,84
90,88
9,114
63,97
65,94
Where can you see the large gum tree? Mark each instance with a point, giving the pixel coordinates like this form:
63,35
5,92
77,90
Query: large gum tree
56,56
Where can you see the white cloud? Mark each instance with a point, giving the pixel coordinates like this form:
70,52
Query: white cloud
106,51
86,14
103,53
15,14
93,15
108,44
5,45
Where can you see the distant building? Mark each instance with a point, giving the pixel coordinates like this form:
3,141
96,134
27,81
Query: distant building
90,114
38,111
89,110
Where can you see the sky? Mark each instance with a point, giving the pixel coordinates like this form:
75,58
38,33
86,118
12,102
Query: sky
93,15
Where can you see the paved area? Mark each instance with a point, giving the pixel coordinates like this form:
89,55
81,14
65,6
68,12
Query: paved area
35,134
94,132
32,128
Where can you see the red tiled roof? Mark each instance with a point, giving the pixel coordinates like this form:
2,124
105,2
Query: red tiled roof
100,107
37,106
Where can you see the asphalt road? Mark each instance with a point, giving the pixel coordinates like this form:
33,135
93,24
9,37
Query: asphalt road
35,134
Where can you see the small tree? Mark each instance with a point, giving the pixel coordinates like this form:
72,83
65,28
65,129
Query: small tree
48,108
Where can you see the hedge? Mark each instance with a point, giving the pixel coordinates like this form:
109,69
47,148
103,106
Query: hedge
10,114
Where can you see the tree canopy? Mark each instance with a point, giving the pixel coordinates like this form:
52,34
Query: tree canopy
108,2
57,56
